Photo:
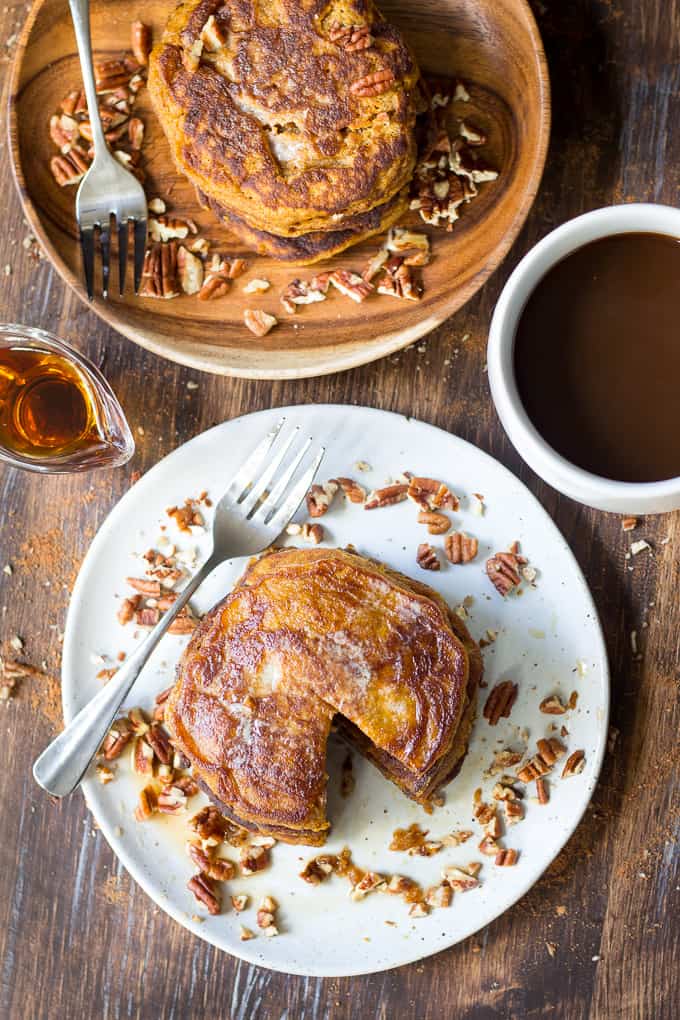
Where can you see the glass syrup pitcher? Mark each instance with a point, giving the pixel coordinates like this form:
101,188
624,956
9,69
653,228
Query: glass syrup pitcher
57,411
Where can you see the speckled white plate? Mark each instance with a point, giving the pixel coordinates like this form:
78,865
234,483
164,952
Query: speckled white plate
549,640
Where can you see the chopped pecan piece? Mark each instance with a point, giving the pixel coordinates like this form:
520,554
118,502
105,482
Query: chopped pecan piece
351,285
105,775
431,494
147,804
488,846
141,42
318,869
372,84
239,903
460,879
574,764
437,524
492,829
386,496
299,292
370,882
427,558
629,524
259,322
118,737
439,895
503,571
506,858
127,609
500,701
548,753
71,168
191,271
209,825
398,281
419,909
460,548
159,274
142,757
401,240
552,705
375,264
204,890
160,742
253,859
514,812
172,800
148,616
354,492
144,586
351,37
320,497
245,934
542,790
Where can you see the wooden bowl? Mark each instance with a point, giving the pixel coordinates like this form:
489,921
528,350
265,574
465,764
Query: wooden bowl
495,48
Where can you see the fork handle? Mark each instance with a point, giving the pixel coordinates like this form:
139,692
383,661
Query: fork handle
62,765
80,13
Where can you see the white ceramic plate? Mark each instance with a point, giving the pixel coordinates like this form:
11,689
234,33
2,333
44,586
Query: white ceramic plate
549,640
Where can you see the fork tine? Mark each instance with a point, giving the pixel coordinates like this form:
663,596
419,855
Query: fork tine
246,473
258,488
87,246
140,249
270,504
122,254
105,242
282,516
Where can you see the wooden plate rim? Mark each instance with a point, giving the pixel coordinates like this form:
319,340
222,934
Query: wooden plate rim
325,359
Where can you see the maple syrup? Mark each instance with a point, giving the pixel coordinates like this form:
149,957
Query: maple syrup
57,412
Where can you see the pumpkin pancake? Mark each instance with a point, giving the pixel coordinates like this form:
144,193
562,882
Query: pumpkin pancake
319,244
309,637
290,114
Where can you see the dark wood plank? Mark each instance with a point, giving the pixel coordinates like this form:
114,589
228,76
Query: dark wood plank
77,937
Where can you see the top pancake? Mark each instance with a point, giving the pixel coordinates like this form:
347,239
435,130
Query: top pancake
256,102
305,636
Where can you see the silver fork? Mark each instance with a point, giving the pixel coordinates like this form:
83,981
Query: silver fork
255,509
108,191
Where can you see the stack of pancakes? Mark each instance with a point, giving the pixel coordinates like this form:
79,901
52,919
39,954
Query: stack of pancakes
294,119
311,638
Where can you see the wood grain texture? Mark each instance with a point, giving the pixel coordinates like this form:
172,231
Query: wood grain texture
77,938
495,48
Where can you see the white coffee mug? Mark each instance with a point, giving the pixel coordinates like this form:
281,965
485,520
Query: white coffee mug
588,488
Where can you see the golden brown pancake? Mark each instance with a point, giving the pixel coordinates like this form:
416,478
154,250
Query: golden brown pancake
319,244
258,105
305,638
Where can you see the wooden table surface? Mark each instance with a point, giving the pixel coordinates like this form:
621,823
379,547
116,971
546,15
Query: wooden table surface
595,937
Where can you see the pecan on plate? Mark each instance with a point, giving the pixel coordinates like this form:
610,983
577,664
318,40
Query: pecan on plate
354,492
438,896
160,742
549,750
204,890
506,858
552,705
488,846
300,292
140,42
386,496
514,812
399,281
147,804
574,764
437,524
320,497
71,168
209,825
259,322
191,271
427,558
159,274
500,701
431,494
503,570
170,228
460,879
351,285
253,859
460,548
118,737
372,84
142,757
